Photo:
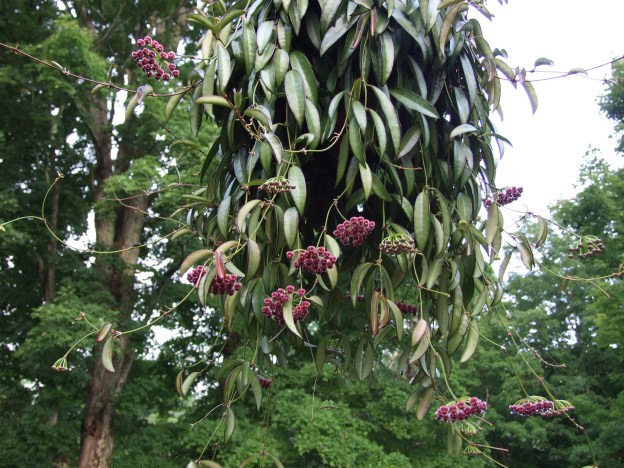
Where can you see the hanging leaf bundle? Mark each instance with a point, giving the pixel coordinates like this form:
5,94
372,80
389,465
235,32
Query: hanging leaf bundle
355,151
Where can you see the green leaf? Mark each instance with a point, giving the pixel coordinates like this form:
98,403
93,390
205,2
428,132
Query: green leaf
472,341
253,258
107,354
577,70
424,404
530,90
380,132
461,129
313,120
287,309
329,9
419,331
334,33
422,347
103,333
355,141
263,34
261,115
172,103
491,225
256,388
379,189
217,100
367,180
414,102
409,141
230,424
295,95
276,146
244,211
463,105
332,245
186,385
223,214
359,112
300,63
291,225
422,220
543,61
398,319
319,358
299,193
387,57
249,46
447,26
356,280
542,232
392,119
224,67
194,258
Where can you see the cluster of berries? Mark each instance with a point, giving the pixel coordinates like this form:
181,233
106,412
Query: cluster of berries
273,306
529,408
314,259
460,410
407,308
397,244
506,197
226,285
359,297
354,230
586,247
196,274
153,60
277,185
539,406
264,382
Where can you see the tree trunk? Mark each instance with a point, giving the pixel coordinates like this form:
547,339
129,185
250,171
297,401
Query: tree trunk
117,231
104,387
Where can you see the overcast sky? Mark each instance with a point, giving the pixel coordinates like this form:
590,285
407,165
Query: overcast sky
548,147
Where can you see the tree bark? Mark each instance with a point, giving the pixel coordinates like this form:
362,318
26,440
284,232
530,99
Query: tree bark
116,230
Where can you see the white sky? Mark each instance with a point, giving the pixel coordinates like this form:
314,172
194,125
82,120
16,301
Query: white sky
548,147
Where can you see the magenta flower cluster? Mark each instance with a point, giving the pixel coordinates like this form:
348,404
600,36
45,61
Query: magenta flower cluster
508,196
151,57
226,285
314,259
354,230
407,308
196,274
461,410
274,306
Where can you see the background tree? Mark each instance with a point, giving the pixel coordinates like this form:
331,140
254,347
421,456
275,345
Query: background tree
59,126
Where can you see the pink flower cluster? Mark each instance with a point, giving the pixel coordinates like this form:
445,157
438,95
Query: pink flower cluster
226,285
407,308
508,196
354,230
539,406
196,274
461,410
314,259
274,305
264,382
153,60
